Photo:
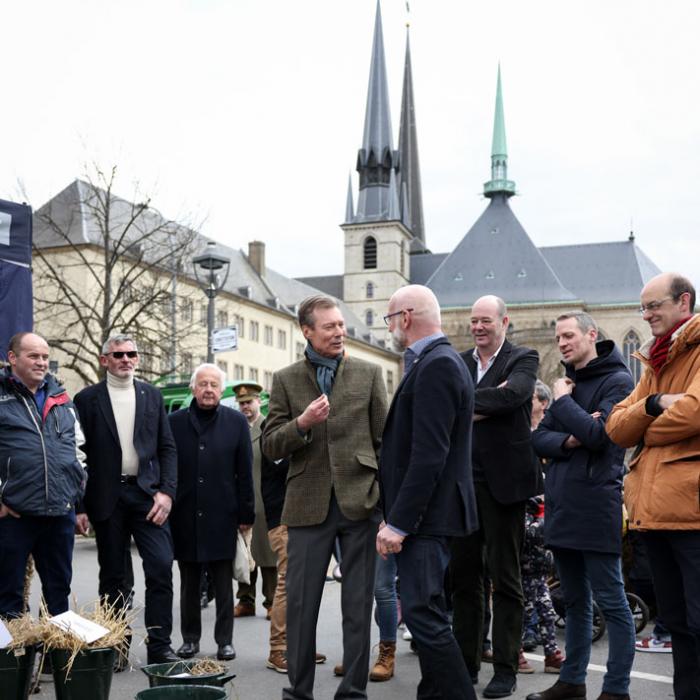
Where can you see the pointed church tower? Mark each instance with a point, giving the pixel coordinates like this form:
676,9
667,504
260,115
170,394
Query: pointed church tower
497,256
409,166
377,241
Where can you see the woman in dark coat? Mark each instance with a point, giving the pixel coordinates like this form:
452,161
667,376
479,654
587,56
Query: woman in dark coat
214,499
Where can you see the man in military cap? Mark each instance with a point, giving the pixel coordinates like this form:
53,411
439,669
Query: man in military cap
248,397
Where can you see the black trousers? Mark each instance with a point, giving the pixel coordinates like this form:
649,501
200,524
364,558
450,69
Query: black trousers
155,546
221,575
309,553
498,541
422,563
674,556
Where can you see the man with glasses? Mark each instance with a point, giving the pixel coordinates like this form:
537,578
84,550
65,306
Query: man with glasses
661,420
132,476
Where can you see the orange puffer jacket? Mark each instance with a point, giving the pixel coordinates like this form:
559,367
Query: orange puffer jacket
662,489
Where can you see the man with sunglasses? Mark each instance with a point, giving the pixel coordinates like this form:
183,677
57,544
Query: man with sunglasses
661,420
132,476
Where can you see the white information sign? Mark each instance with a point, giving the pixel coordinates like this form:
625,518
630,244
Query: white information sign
224,339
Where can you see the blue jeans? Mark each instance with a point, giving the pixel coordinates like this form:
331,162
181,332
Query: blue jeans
49,539
386,614
583,574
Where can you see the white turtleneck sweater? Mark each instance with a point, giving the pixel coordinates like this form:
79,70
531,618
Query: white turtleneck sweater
123,399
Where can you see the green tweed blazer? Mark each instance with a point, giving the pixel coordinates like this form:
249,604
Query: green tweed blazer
341,453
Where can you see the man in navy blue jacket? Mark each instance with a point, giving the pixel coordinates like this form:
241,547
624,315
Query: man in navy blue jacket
583,505
426,488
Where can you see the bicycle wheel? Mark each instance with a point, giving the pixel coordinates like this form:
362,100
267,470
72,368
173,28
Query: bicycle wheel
598,623
640,611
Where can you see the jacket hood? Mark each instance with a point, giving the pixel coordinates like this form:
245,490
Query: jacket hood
608,360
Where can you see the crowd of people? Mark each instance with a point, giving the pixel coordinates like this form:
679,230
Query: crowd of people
442,490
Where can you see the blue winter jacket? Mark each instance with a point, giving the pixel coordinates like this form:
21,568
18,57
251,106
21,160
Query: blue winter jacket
583,486
41,466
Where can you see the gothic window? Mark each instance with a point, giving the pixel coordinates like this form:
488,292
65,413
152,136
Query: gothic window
369,318
370,253
370,290
630,344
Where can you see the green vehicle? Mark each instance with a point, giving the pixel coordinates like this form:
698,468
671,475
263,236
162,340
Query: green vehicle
178,394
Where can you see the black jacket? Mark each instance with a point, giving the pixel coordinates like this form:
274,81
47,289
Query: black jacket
583,486
425,468
41,467
273,484
215,484
153,443
502,446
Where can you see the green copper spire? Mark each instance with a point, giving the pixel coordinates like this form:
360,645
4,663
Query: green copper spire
499,182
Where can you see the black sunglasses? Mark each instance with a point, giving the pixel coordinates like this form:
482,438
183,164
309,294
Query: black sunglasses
118,354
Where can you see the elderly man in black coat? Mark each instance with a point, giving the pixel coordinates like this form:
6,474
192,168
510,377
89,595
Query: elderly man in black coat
214,499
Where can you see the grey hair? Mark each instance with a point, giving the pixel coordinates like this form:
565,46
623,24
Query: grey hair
310,304
207,365
583,320
118,340
542,391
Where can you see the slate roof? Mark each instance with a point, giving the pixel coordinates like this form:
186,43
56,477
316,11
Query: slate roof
423,265
497,257
602,273
330,284
81,226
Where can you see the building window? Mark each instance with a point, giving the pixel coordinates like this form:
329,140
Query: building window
254,328
253,373
282,340
268,335
145,357
370,253
223,366
369,318
631,344
203,315
187,366
240,322
187,311
222,319
166,304
390,381
370,290
238,372
267,380
300,347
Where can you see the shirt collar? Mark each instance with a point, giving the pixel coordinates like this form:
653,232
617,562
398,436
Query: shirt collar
477,358
422,343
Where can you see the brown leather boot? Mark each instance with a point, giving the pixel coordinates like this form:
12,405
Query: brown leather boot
383,668
561,691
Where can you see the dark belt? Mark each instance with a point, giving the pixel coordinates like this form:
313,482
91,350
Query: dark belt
128,479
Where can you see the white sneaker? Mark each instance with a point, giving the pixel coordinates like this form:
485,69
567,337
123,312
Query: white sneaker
653,644
407,635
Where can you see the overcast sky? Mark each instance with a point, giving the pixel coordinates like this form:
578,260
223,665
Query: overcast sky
247,114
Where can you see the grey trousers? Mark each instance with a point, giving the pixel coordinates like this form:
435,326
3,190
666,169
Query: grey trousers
309,552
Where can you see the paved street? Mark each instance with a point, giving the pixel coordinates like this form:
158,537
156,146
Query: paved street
254,682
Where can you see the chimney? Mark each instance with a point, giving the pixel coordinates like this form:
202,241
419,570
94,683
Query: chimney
256,256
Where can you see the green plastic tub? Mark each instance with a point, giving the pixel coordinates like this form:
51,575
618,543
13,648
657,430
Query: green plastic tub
182,692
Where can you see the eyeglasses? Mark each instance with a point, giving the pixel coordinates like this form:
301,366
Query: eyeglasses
118,354
654,305
396,313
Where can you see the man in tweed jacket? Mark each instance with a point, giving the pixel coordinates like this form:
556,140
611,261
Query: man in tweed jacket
327,414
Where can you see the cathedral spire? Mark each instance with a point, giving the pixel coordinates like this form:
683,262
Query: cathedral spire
409,166
499,182
349,204
376,159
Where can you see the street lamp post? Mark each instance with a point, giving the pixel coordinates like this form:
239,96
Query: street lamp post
214,266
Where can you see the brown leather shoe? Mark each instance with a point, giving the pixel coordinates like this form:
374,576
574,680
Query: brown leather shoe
613,696
561,691
338,670
320,658
244,610
383,668
277,661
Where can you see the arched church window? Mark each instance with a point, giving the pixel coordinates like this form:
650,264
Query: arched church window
369,289
631,344
369,318
370,253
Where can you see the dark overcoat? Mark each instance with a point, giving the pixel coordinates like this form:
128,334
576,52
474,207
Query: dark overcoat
425,463
583,486
215,484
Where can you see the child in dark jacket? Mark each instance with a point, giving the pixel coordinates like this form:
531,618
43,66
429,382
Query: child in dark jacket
534,567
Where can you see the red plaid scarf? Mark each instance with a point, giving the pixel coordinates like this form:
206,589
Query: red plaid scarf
659,350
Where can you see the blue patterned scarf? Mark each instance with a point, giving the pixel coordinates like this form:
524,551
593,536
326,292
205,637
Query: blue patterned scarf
326,367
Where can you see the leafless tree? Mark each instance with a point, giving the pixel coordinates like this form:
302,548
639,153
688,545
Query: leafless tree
105,265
